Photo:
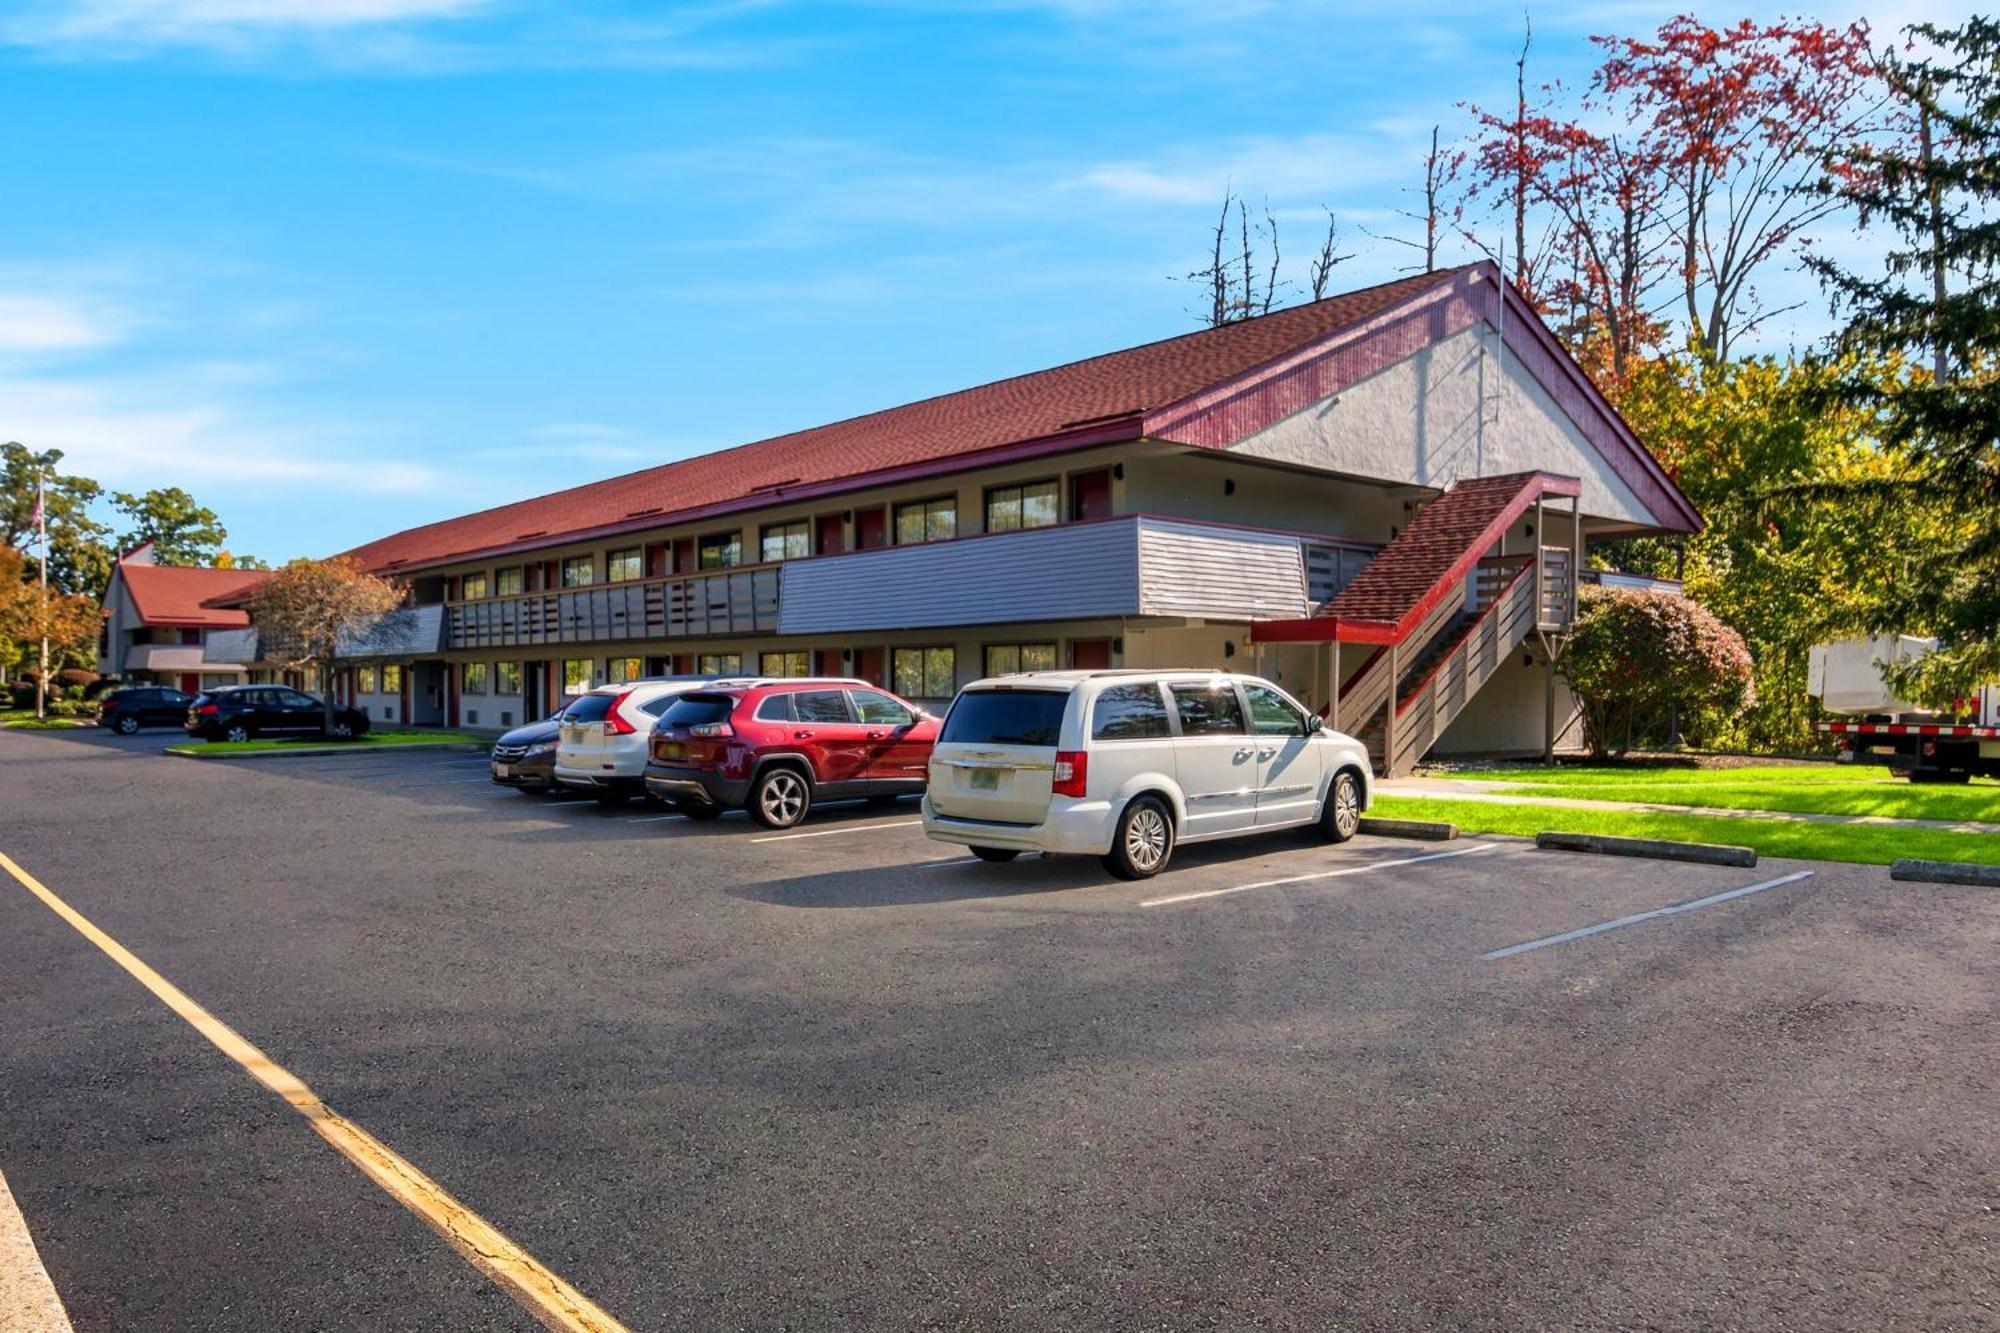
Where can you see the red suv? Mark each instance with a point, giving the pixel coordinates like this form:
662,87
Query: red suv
777,746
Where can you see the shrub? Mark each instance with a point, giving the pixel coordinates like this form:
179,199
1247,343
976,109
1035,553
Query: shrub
79,677
1635,653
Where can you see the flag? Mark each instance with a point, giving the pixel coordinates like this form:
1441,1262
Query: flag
39,518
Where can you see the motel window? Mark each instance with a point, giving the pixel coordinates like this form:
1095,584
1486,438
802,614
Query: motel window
364,680
1004,659
576,675
507,678
622,670
925,673
1032,504
719,550
927,520
475,678
472,587
719,664
786,541
794,663
624,566
392,680
508,582
579,571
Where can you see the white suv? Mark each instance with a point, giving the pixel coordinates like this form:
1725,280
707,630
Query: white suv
1125,764
602,747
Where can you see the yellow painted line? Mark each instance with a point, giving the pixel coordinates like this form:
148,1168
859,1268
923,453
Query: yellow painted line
552,1301
28,1300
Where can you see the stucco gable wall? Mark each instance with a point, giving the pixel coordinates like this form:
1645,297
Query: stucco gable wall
1420,421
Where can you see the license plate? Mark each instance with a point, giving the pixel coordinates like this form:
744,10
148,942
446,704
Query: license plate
673,750
503,770
985,779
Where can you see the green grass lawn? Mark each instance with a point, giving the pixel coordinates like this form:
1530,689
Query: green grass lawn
1817,789
375,739
1869,844
29,722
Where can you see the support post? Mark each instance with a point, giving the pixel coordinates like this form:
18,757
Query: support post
1548,704
1535,553
1575,556
1333,684
1389,715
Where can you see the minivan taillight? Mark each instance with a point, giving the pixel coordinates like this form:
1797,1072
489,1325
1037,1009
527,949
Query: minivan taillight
1072,773
614,721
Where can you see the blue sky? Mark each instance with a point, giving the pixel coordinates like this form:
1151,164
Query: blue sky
342,266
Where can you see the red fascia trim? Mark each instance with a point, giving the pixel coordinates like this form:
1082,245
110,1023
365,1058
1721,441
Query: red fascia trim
1403,704
1125,430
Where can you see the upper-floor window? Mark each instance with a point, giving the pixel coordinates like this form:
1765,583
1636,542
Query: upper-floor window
623,566
786,541
719,550
927,520
1032,504
472,587
579,571
508,582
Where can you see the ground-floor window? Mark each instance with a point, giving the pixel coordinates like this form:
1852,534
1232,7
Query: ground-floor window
925,673
506,677
1004,659
475,677
792,663
719,664
364,680
392,680
576,675
620,670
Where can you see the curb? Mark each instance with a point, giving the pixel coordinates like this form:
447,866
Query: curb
1423,830
308,751
1706,853
1946,872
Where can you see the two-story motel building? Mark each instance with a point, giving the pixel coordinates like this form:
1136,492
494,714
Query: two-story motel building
1392,488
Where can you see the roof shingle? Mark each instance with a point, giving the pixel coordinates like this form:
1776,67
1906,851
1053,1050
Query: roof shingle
174,594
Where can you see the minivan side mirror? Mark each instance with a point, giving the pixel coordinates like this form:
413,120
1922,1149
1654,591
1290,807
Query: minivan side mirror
1315,723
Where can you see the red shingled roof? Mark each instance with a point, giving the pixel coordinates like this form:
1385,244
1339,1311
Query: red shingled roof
1099,399
173,594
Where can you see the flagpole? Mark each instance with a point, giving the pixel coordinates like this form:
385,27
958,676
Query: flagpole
42,680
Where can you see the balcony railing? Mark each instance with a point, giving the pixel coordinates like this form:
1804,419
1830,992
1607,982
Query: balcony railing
681,606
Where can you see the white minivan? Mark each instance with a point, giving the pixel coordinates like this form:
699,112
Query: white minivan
602,746
1124,765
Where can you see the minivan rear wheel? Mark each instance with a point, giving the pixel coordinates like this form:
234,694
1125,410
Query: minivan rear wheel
1143,842
780,797
1340,817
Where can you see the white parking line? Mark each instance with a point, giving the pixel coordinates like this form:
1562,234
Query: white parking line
654,819
950,861
1322,874
829,832
1637,917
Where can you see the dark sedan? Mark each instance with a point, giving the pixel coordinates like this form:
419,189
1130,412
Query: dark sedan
244,712
525,758
127,710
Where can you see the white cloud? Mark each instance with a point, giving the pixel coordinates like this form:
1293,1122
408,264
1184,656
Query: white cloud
205,20
37,322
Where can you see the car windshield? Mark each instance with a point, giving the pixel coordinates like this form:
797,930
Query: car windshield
590,708
694,710
1006,717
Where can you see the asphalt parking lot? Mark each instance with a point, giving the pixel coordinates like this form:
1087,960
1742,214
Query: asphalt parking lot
717,1077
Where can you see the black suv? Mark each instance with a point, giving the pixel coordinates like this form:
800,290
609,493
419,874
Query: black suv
127,710
240,712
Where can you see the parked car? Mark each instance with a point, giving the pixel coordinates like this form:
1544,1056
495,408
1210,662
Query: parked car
244,712
136,706
1125,765
525,758
777,747
602,747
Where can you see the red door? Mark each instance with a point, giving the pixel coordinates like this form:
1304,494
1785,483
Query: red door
190,683
684,664
871,529
658,556
868,665
684,556
1090,654
451,695
832,534
1090,495
827,662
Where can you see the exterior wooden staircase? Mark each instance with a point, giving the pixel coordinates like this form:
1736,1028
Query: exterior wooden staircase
1441,607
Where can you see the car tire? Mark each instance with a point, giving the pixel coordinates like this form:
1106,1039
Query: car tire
696,810
237,732
995,853
780,797
1143,842
126,726
1340,815
342,731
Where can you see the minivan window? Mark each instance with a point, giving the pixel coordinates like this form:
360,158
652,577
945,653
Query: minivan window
694,710
589,708
1208,710
1006,717
1129,713
1272,714
820,706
